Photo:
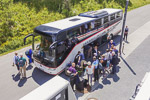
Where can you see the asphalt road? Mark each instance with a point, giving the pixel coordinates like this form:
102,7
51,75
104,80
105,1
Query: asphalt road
121,86
11,87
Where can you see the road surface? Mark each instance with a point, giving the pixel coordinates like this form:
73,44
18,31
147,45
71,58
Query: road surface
11,87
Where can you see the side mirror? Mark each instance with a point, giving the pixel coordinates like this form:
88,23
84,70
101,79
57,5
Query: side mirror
32,40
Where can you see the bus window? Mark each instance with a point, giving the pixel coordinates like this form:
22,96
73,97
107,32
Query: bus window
118,15
45,42
73,32
105,19
61,36
112,17
82,29
63,95
98,23
92,25
89,26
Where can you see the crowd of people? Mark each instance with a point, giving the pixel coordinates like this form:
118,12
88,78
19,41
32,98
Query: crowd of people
20,62
97,67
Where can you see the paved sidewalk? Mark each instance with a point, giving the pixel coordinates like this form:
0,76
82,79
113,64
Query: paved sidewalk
135,39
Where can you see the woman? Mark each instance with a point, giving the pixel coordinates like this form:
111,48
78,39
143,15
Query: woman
90,72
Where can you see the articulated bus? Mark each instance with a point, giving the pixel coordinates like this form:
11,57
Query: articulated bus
62,39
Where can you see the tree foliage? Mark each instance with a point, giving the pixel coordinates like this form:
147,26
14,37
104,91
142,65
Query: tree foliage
18,18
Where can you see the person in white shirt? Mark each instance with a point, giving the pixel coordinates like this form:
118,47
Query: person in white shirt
15,61
90,72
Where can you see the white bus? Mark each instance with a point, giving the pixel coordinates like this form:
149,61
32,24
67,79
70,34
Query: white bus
55,89
142,91
62,39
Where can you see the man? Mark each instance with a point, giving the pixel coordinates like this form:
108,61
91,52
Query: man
82,59
111,43
90,72
95,64
75,78
95,51
30,56
114,62
126,33
22,65
15,60
108,57
115,50
77,58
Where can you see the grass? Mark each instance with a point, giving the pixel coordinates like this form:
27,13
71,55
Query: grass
17,49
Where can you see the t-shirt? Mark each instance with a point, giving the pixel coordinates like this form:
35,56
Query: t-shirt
22,62
95,63
82,56
111,44
90,70
72,69
126,29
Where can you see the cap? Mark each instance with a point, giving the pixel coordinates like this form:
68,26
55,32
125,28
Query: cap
89,63
21,54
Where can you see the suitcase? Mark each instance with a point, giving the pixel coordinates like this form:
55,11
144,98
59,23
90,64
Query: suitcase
80,86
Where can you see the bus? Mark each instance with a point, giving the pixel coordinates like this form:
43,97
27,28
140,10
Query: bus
55,89
142,91
62,39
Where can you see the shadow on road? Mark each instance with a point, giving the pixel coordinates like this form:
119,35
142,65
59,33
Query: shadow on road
40,77
106,81
128,65
100,86
29,67
23,81
16,77
115,77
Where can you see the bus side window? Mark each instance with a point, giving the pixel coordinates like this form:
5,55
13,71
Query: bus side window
82,29
92,24
89,26
73,32
105,19
118,15
98,23
112,17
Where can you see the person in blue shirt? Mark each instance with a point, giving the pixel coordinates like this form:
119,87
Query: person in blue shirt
111,43
29,55
126,33
95,64
115,50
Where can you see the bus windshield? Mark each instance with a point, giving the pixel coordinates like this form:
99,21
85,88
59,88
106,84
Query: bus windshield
45,43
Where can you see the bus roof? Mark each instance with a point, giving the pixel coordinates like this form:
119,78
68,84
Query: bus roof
144,92
67,23
47,90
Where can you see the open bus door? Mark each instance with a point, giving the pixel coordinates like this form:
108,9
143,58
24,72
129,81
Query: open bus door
32,40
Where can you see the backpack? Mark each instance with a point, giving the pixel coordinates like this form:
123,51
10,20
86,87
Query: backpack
27,52
21,62
76,58
16,59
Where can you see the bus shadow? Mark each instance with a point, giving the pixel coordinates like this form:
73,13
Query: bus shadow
41,77
104,46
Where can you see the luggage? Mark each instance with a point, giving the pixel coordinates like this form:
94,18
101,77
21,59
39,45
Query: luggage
27,52
80,86
85,83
